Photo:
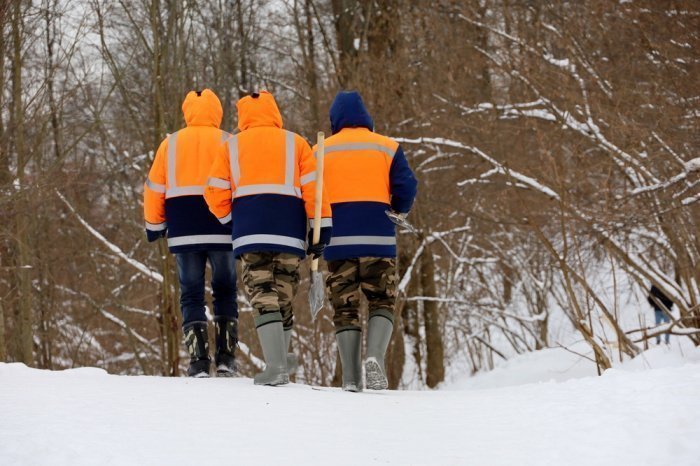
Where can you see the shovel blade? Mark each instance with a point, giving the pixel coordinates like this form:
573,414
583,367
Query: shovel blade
400,221
317,294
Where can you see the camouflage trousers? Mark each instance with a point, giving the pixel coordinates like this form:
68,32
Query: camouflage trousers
374,276
271,280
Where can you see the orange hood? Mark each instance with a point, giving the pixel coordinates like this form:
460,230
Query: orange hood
203,109
258,111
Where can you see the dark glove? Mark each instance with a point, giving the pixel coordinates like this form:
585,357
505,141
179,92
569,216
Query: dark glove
155,235
316,250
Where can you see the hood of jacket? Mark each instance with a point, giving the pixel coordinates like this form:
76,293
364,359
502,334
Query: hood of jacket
258,109
348,111
202,108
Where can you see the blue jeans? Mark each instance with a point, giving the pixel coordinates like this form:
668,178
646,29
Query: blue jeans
661,317
190,270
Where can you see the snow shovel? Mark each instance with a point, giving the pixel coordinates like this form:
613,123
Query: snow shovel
400,220
317,292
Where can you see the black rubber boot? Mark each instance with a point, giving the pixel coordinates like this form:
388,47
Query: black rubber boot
226,342
197,342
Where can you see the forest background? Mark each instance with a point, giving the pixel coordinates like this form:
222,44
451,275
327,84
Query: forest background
555,142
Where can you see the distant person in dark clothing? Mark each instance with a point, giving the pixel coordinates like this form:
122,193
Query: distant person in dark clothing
662,307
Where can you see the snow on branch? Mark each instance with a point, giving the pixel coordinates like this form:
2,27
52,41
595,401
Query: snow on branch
678,158
691,200
488,106
435,236
589,129
631,258
536,318
661,185
403,284
111,246
693,165
257,362
497,166
111,317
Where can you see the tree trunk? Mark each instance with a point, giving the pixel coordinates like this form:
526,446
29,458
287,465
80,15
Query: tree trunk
53,108
542,325
3,346
337,380
396,354
244,81
24,332
435,364
312,73
344,12
5,175
169,303
170,323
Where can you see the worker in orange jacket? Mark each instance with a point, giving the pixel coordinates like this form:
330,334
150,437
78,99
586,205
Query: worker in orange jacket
366,176
174,206
265,179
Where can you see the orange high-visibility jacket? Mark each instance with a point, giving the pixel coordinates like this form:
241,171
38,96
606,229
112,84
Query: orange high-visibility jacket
174,189
366,174
264,179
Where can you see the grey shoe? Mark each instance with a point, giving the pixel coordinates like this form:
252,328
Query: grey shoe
349,347
197,342
292,361
379,329
271,334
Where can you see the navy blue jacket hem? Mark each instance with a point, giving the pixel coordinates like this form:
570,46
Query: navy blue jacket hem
345,252
269,248
200,248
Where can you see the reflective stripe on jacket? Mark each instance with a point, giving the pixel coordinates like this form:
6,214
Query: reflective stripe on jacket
174,189
264,178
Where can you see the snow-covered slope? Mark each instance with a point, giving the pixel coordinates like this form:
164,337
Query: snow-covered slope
561,365
629,416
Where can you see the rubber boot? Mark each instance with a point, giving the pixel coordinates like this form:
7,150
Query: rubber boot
271,334
349,347
292,361
379,328
226,341
197,342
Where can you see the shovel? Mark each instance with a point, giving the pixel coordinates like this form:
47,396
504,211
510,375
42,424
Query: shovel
317,292
400,220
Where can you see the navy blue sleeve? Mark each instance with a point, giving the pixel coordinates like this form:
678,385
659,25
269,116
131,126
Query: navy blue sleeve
404,185
326,233
155,235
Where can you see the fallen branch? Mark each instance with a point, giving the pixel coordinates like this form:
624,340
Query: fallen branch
145,270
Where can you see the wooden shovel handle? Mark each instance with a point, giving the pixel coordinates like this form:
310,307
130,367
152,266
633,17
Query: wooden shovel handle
318,199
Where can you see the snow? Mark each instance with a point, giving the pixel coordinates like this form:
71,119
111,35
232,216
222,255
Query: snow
561,365
643,412
693,165
144,269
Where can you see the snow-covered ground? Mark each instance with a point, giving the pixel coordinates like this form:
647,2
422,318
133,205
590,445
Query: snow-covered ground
543,408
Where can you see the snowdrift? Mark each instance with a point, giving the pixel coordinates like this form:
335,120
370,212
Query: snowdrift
628,416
